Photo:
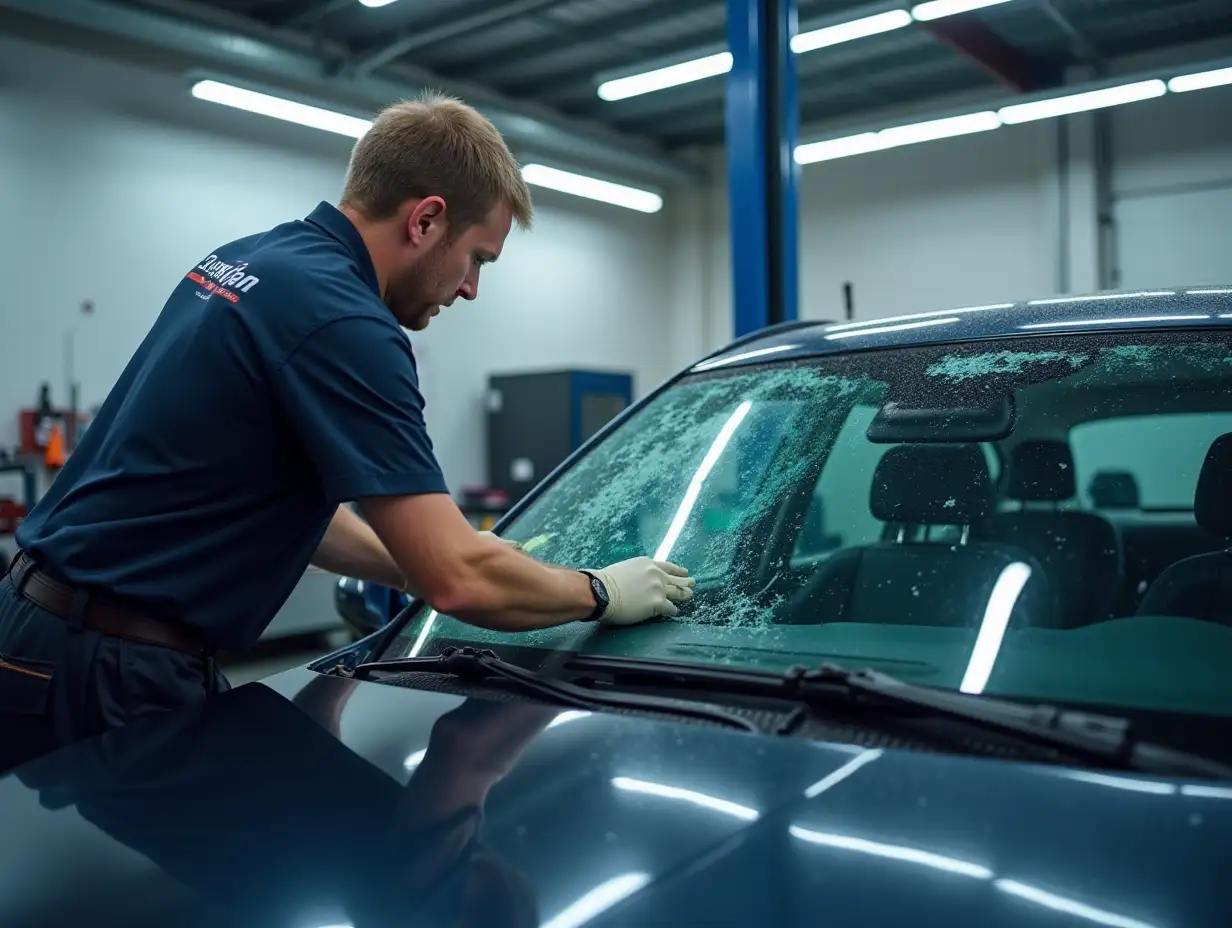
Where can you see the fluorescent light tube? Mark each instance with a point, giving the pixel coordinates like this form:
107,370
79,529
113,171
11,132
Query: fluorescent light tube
713,65
846,32
937,9
938,129
897,135
1201,81
592,188
278,108
375,3
837,148
1082,102
661,78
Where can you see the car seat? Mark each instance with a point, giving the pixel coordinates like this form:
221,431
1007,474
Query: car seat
1114,489
1080,551
921,583
1201,586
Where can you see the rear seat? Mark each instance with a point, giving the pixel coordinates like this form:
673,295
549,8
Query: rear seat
1080,551
1201,586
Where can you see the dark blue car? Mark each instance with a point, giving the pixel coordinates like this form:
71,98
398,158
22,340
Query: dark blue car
959,656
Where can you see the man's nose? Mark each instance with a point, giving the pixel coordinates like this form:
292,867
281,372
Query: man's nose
470,288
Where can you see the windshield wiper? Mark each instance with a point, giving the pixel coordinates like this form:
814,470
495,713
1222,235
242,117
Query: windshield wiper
473,665
1103,740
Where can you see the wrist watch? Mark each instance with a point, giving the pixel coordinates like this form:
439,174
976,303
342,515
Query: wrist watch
599,592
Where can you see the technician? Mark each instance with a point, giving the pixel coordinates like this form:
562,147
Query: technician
276,386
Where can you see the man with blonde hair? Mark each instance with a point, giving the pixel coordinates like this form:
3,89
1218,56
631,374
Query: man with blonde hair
276,386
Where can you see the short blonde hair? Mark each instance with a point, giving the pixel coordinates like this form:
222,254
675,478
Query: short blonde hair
435,145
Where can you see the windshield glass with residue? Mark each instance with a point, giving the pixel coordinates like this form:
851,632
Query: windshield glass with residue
1042,518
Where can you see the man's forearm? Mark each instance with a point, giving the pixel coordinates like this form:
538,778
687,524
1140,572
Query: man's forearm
351,548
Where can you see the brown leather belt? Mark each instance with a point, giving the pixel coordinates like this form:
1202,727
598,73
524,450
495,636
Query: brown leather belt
104,618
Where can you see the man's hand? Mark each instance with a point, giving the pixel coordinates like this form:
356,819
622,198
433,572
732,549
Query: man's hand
641,588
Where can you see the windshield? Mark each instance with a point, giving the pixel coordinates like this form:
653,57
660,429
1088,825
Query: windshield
1013,518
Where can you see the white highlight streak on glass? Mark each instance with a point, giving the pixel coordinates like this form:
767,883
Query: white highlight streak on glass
598,900
892,852
842,773
704,800
1069,906
992,628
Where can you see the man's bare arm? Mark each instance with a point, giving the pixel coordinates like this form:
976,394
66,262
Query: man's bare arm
351,548
471,577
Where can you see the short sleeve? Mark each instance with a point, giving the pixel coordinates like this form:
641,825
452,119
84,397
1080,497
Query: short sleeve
351,392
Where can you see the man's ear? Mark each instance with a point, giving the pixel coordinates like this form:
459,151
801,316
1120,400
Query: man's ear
425,224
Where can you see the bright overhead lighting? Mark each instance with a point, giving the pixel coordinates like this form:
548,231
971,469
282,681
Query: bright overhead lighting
598,900
996,620
938,129
936,9
592,188
661,78
1082,102
873,329
703,800
837,148
1092,297
891,852
849,31
376,3
1201,81
1124,320
929,315
278,108
896,136
694,488
1068,906
743,356
842,773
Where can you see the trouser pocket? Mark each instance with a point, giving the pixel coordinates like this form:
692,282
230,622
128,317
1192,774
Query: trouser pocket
25,685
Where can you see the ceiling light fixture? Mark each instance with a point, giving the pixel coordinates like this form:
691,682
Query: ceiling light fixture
937,9
661,78
1220,77
373,4
592,188
276,107
1082,102
849,31
896,136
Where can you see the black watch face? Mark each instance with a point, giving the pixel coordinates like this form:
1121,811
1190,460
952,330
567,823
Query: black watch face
600,591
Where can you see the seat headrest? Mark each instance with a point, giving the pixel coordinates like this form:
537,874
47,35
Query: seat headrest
1213,498
1039,471
932,485
1114,489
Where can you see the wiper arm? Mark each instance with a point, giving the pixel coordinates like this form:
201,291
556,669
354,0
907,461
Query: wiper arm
1107,741
475,665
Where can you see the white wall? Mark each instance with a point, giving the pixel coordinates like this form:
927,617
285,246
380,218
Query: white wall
113,181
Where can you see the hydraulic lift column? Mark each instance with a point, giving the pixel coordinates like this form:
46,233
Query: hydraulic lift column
762,125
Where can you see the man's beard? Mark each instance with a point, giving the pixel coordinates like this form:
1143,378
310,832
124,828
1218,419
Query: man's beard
410,296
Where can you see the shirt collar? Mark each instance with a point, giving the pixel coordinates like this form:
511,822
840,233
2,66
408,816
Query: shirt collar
333,221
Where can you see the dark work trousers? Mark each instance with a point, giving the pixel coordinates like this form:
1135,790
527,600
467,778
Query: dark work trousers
61,683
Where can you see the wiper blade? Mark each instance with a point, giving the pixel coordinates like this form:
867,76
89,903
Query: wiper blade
1107,741
476,665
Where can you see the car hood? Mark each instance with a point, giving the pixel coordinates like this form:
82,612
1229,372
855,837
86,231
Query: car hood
309,801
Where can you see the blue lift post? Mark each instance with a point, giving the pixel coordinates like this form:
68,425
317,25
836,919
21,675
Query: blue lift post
762,125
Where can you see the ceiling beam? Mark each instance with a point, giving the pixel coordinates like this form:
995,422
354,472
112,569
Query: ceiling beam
968,36
276,61
451,28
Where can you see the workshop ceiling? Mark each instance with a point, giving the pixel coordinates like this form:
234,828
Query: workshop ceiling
555,52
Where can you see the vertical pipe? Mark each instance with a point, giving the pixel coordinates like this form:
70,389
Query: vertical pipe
1106,242
1064,282
761,129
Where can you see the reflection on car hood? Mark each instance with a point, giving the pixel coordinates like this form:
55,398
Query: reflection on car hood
311,801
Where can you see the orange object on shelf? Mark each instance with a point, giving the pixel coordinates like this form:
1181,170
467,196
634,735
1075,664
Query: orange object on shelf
54,456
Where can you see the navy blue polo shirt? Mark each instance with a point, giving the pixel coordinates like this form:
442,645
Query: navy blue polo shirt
274,386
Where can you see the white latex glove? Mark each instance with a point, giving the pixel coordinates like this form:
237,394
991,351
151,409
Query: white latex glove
642,588
508,542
